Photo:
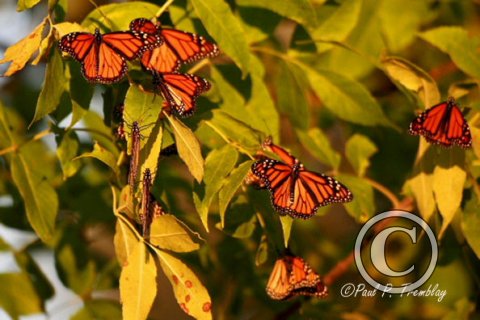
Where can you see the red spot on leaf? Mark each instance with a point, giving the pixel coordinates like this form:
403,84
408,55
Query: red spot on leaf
184,308
187,298
207,306
188,284
175,279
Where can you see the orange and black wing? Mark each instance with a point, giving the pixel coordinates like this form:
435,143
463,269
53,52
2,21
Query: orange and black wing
292,276
294,190
180,91
443,124
103,56
178,47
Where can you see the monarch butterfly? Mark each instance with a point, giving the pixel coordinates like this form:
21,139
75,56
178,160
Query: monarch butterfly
443,124
178,47
294,190
292,276
150,208
145,211
180,90
103,56
135,156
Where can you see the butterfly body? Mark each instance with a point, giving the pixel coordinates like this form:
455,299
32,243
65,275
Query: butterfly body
443,124
295,190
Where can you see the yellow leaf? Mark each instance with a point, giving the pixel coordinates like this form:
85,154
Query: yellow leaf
448,180
22,51
190,293
169,233
138,284
67,27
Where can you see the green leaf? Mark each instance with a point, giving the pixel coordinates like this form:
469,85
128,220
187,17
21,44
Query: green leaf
144,108
18,296
52,89
41,200
119,15
413,78
347,99
26,4
362,207
188,148
265,116
190,293
81,281
421,183
100,133
81,92
337,26
224,27
399,33
218,165
471,224
98,309
230,187
291,94
23,50
169,233
317,143
286,222
358,150
104,156
262,252
365,38
301,11
138,283
66,151
448,181
456,42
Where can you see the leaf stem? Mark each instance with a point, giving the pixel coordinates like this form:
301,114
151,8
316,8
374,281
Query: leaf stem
384,190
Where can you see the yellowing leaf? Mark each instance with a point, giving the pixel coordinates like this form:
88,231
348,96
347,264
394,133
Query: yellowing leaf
22,51
420,185
230,186
188,147
67,27
119,15
169,233
471,224
413,78
190,293
52,89
362,207
317,143
448,181
456,42
125,240
26,4
301,11
138,283
358,150
18,295
41,199
103,155
218,165
286,222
